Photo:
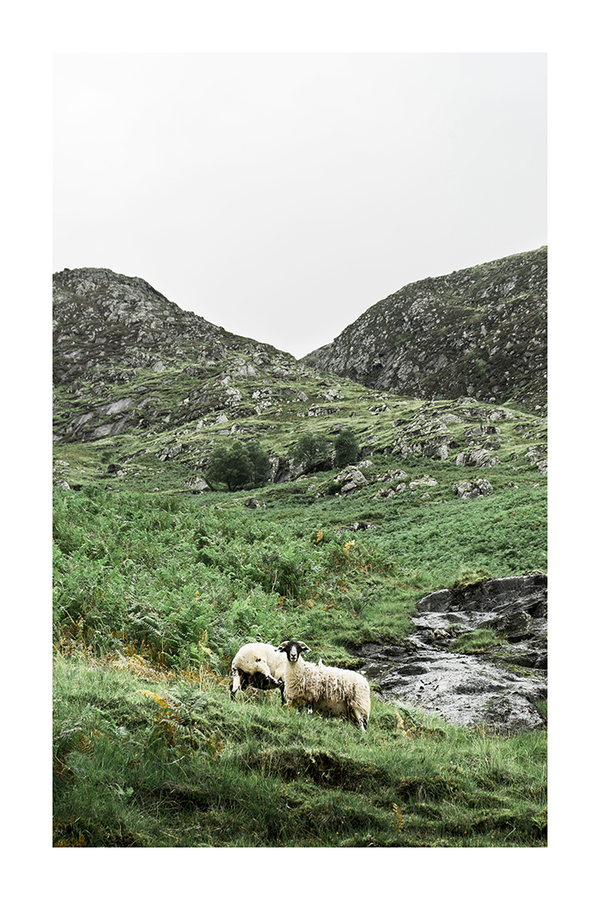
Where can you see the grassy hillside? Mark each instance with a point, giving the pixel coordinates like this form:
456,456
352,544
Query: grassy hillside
480,331
155,592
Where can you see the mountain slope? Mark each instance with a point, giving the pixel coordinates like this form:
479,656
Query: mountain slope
126,357
478,332
144,392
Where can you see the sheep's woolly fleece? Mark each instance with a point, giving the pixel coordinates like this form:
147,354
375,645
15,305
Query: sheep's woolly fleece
341,691
258,665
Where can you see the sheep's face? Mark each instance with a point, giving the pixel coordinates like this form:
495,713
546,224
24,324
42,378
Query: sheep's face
293,650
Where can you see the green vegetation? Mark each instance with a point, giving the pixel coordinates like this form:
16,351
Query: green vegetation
158,581
241,466
346,448
141,759
311,451
153,595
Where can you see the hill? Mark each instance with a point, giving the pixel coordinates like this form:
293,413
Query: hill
478,332
155,389
381,566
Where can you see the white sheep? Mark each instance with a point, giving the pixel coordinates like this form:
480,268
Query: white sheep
258,665
341,691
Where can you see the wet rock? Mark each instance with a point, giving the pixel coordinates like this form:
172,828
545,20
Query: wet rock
501,687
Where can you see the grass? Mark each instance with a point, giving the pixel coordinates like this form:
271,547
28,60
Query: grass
154,593
160,761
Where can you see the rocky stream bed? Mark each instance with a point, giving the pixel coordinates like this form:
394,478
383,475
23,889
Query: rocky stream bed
500,688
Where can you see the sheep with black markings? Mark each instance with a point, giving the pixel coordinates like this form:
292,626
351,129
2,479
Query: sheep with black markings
260,666
341,691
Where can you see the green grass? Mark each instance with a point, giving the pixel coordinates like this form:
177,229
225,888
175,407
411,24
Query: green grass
176,763
155,592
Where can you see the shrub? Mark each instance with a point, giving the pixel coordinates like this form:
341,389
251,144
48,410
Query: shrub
243,465
346,448
311,450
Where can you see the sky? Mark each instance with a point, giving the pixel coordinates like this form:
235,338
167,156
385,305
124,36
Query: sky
280,195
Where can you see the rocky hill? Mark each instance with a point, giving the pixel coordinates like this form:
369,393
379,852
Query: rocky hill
144,392
123,352
479,332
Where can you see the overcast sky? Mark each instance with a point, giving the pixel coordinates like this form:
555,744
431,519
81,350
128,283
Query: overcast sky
281,195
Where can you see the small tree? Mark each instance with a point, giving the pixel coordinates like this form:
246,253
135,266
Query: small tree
243,465
346,448
259,464
310,450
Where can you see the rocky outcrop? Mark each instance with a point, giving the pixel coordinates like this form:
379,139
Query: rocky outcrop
480,487
478,332
350,479
127,358
503,687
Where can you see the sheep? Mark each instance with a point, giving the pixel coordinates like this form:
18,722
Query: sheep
341,691
258,665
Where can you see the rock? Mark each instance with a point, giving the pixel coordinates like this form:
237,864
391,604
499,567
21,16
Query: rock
470,490
500,687
538,456
423,482
478,458
351,479
170,452
418,342
196,483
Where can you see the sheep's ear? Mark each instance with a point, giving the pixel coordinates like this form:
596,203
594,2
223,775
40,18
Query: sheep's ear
304,648
282,647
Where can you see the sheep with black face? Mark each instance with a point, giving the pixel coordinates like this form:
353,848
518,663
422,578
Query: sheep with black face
341,691
257,665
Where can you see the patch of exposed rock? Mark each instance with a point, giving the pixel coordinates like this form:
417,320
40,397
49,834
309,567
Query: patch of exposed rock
350,479
500,688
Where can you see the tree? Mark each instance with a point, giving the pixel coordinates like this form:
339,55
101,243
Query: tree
259,464
346,448
311,450
242,466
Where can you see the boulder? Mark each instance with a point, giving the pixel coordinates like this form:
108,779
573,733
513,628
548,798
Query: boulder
503,687
470,490
477,458
196,483
351,479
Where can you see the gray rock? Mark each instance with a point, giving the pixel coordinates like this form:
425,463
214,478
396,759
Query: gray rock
196,483
351,479
477,458
470,490
500,688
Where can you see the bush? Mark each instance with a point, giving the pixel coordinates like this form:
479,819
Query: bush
242,466
311,450
346,448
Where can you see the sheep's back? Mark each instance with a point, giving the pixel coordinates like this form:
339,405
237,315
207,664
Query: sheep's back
333,687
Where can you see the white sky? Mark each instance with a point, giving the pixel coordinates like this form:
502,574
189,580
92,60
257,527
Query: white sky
280,195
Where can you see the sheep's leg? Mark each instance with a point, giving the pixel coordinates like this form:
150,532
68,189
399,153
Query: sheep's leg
360,717
235,685
281,686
